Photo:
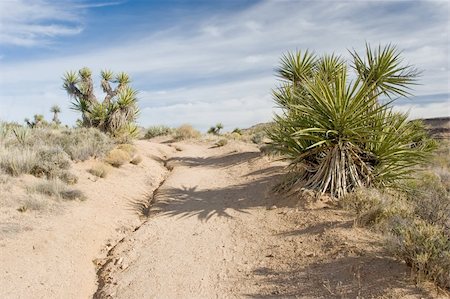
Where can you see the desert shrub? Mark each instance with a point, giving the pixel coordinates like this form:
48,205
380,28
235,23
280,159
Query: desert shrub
186,132
57,189
257,138
221,142
156,131
373,207
136,160
336,132
425,247
68,177
117,157
50,162
17,161
100,169
430,199
84,143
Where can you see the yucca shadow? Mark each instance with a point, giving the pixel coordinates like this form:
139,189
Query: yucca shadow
206,203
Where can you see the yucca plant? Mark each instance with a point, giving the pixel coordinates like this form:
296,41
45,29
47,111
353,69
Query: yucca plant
340,134
118,111
55,110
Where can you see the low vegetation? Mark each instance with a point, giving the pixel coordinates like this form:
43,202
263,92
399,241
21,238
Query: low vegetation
57,189
45,151
100,169
186,132
156,131
416,221
117,157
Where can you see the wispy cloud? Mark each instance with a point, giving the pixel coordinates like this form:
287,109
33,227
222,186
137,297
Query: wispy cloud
28,23
221,67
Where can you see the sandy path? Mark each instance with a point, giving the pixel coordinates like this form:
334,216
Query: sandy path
213,232
55,258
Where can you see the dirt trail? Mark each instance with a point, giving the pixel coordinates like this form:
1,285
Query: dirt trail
214,232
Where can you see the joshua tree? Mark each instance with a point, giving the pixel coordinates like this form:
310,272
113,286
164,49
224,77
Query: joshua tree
55,110
117,112
337,133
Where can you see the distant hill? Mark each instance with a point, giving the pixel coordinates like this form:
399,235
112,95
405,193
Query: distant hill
438,127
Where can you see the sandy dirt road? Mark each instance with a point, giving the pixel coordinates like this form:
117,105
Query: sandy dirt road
216,231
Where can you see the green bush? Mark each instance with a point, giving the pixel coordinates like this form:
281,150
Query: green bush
156,131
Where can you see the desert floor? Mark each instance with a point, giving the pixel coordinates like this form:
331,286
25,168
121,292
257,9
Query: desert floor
195,221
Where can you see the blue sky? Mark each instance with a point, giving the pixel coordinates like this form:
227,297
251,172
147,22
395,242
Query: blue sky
203,62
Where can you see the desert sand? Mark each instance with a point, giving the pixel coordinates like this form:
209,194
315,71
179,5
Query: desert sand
198,221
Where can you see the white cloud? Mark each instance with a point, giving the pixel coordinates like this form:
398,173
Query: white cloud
221,68
28,23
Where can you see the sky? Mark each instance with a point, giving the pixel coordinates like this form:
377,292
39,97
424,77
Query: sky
204,62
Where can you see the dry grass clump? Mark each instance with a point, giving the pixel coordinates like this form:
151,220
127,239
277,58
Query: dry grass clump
100,169
117,157
57,189
129,148
221,142
50,162
33,203
156,131
68,177
17,161
374,207
186,132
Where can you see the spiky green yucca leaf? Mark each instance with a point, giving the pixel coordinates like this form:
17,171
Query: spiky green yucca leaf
123,78
107,75
296,67
383,67
335,133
